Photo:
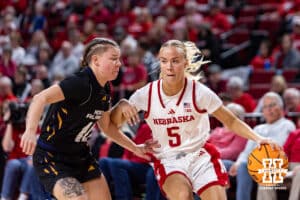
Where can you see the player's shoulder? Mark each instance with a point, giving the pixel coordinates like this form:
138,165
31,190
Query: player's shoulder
78,82
79,78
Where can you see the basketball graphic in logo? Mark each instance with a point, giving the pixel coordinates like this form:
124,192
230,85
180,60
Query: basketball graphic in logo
266,166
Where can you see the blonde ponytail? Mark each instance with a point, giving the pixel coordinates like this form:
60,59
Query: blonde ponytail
195,61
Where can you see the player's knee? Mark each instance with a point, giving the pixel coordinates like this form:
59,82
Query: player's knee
182,194
185,194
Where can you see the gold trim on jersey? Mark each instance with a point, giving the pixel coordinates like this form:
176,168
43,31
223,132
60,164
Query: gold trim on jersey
51,135
64,110
59,120
53,170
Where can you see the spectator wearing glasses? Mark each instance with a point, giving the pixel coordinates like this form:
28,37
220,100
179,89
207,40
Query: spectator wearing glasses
276,127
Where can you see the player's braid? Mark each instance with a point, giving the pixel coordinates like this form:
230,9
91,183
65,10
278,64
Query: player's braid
97,45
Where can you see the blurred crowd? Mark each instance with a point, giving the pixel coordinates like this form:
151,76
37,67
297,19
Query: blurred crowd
42,41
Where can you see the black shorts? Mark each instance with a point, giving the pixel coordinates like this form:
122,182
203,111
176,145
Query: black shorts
50,167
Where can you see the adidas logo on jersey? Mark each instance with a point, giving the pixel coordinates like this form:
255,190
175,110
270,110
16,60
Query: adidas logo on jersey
171,111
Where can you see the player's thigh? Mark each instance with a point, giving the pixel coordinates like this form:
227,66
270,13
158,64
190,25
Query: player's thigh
214,192
69,188
96,188
177,186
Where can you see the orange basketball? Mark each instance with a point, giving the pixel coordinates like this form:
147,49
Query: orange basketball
267,166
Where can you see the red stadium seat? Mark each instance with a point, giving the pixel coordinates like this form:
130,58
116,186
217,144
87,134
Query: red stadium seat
290,74
271,26
261,76
238,36
248,11
245,22
258,90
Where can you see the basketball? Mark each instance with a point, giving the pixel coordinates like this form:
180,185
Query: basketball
266,166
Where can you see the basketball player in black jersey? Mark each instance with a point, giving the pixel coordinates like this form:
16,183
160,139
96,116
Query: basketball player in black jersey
61,156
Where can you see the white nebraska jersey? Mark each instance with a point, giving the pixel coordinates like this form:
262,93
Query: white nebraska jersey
180,123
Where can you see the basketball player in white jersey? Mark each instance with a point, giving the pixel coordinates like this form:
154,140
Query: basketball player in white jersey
177,110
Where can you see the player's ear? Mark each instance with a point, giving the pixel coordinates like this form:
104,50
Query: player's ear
95,59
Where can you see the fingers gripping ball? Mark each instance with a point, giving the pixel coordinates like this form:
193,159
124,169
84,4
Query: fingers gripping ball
267,166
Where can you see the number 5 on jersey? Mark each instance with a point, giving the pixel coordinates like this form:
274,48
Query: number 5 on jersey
174,136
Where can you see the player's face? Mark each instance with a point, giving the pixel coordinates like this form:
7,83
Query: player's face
172,64
109,63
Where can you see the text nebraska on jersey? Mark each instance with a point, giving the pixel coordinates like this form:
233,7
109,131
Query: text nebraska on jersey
173,120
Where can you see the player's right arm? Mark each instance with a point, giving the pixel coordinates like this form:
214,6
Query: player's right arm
51,95
124,111
128,110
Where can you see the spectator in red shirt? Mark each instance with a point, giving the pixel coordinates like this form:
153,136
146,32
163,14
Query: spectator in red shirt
263,59
97,12
142,23
134,75
235,90
292,150
123,15
217,19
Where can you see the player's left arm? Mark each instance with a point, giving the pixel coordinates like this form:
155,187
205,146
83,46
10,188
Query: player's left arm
239,127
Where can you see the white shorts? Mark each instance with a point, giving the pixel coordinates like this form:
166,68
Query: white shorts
203,168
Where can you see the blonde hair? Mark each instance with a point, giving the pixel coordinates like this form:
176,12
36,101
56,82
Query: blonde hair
193,55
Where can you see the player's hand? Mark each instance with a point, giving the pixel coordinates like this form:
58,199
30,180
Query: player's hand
233,169
130,113
148,147
28,143
269,141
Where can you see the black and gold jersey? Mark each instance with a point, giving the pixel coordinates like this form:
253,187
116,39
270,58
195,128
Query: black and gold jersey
67,125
